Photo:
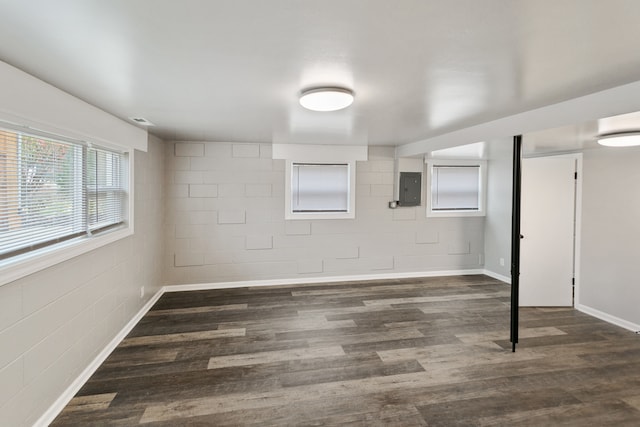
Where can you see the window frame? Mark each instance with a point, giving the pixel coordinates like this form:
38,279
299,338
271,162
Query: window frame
351,208
482,191
24,264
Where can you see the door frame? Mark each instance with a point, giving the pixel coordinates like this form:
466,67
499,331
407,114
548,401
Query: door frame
577,232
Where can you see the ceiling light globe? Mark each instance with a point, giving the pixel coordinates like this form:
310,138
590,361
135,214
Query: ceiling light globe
627,139
326,99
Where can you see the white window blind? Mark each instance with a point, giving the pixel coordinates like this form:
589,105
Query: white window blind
53,190
455,188
105,194
319,187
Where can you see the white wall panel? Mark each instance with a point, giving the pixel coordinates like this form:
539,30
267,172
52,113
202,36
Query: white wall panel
10,305
189,149
427,237
11,379
306,266
232,217
497,229
28,101
246,150
297,227
259,242
609,267
203,190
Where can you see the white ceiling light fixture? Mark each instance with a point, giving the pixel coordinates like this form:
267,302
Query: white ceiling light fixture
620,139
326,99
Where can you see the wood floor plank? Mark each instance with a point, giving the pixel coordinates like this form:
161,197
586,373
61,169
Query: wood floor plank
226,347
464,412
91,402
613,413
188,336
429,299
401,352
193,310
243,401
273,356
633,401
120,359
342,373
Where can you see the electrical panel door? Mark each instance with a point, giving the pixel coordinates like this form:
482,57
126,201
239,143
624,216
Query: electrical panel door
410,188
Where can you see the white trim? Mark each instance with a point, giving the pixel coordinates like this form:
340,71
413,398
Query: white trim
351,209
578,233
482,191
29,263
56,408
608,318
311,280
502,278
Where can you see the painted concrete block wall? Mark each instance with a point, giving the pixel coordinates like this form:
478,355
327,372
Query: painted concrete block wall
497,226
225,222
53,323
609,268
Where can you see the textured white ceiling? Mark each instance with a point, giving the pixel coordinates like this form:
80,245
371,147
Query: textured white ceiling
231,70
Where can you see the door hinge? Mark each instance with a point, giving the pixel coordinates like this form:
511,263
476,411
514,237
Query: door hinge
575,175
573,281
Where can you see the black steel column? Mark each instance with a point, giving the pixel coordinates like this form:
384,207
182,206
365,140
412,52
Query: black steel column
515,238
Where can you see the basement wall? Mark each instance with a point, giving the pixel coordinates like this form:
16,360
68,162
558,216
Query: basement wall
609,268
55,322
225,222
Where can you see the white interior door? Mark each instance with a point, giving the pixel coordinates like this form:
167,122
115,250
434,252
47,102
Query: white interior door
547,227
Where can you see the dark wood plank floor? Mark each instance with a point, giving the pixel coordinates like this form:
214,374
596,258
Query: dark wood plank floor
411,352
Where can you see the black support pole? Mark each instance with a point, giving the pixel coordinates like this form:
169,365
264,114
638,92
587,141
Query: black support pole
515,238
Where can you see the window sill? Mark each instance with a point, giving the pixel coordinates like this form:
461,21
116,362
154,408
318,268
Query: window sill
23,265
454,214
316,215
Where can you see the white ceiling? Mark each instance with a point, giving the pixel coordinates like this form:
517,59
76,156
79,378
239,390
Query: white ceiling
577,137
232,70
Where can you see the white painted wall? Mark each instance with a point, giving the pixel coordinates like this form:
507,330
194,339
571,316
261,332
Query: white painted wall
610,270
54,322
225,222
497,226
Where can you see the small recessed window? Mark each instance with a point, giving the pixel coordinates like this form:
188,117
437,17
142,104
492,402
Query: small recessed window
456,189
320,190
319,187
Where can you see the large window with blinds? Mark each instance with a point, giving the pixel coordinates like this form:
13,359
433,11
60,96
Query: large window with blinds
53,190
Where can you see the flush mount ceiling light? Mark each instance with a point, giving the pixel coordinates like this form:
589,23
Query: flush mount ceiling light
326,99
620,139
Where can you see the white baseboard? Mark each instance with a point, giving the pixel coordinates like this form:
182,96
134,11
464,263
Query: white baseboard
505,279
62,401
608,317
311,280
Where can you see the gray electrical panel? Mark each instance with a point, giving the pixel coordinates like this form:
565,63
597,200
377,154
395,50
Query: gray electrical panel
410,188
